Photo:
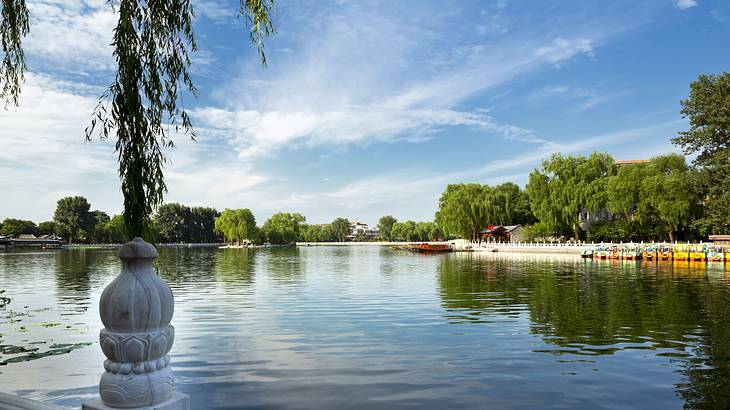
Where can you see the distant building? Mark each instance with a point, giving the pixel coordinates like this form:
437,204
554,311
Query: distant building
43,241
720,239
504,233
359,229
587,218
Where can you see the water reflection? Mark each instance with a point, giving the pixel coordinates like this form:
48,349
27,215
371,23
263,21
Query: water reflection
235,265
589,308
368,327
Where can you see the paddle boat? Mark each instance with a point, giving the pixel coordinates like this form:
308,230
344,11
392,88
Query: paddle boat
630,252
716,253
429,247
680,252
614,252
600,252
650,253
697,252
664,252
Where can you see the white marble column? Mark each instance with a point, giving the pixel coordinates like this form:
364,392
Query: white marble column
136,309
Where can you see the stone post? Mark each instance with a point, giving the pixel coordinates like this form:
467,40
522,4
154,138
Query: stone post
136,309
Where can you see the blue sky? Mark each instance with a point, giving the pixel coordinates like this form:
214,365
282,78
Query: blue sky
367,107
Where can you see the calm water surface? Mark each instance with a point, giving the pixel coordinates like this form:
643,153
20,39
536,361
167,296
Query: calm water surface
371,328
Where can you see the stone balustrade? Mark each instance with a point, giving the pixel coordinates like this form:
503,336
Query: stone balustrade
136,309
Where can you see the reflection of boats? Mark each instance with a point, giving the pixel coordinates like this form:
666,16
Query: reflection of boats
715,253
680,252
631,252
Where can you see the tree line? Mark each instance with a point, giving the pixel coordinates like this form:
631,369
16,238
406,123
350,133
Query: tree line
581,197
594,198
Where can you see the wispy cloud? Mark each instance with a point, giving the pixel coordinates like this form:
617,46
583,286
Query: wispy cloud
685,4
398,191
562,49
581,98
71,35
344,77
363,76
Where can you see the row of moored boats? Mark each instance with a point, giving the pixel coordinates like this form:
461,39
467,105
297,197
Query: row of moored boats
663,251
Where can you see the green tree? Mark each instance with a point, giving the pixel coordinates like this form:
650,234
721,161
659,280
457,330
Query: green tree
173,222
315,233
340,229
202,225
73,219
14,227
565,185
518,204
153,43
46,228
99,233
385,226
657,199
282,228
116,230
624,189
237,225
708,111
542,231
668,192
465,209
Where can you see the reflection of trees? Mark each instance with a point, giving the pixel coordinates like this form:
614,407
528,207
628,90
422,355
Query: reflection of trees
180,264
581,305
76,268
235,265
72,274
284,264
709,372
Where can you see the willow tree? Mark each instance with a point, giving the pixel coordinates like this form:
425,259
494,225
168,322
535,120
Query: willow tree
669,193
566,185
465,209
143,106
237,225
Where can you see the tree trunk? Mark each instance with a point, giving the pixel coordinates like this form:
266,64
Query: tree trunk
671,236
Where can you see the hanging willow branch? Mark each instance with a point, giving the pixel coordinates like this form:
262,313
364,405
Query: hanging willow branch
153,41
14,26
152,45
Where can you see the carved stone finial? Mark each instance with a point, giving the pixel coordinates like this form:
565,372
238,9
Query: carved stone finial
136,309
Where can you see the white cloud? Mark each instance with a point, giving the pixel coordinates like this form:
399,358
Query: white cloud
71,34
579,99
218,11
363,76
562,49
353,75
685,4
397,191
44,156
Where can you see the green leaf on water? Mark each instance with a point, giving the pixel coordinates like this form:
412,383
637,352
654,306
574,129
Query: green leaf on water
48,324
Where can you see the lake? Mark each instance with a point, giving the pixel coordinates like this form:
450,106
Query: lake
368,327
